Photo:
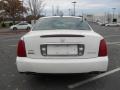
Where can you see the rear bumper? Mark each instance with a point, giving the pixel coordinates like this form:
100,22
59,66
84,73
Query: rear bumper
62,65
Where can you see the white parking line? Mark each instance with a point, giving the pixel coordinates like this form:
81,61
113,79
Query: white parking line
117,44
10,40
111,43
7,37
93,78
111,36
12,45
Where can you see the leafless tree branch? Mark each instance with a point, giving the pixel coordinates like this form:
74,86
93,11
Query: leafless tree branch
36,7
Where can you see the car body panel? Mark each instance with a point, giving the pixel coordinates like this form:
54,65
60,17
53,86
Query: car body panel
62,65
113,24
36,62
91,42
21,26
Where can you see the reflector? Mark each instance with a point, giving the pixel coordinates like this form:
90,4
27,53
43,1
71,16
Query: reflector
102,48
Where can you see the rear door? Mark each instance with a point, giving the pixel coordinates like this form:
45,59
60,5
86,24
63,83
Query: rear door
22,26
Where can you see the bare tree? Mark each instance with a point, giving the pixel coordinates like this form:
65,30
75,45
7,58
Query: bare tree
2,11
14,9
36,7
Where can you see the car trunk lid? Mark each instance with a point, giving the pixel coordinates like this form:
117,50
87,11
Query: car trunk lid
62,44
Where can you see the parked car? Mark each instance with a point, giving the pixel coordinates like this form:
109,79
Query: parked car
112,24
62,45
21,26
101,24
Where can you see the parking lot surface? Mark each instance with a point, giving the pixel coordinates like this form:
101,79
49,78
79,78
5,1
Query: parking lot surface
10,79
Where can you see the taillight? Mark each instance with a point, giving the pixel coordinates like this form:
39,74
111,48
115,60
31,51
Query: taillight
102,48
21,52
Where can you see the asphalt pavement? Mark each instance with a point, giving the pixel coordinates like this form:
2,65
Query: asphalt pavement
10,79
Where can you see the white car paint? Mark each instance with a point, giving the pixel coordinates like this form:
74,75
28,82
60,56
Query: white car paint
101,24
21,26
113,24
35,62
34,37
62,65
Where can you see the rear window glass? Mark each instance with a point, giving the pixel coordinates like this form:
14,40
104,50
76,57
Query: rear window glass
56,23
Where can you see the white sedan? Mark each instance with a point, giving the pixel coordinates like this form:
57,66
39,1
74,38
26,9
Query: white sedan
112,24
21,26
62,45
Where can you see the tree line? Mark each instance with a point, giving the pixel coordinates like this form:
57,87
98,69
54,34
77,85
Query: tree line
20,10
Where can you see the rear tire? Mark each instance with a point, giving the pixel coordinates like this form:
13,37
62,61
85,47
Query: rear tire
98,72
28,28
14,29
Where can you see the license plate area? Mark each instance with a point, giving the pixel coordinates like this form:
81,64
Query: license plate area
65,50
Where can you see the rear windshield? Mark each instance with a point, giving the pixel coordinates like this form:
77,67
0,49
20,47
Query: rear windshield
56,23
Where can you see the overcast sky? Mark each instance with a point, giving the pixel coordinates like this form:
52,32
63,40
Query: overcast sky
85,6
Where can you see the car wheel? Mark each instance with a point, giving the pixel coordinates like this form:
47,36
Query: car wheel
28,28
14,29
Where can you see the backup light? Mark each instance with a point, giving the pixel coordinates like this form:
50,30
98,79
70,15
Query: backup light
80,50
43,50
